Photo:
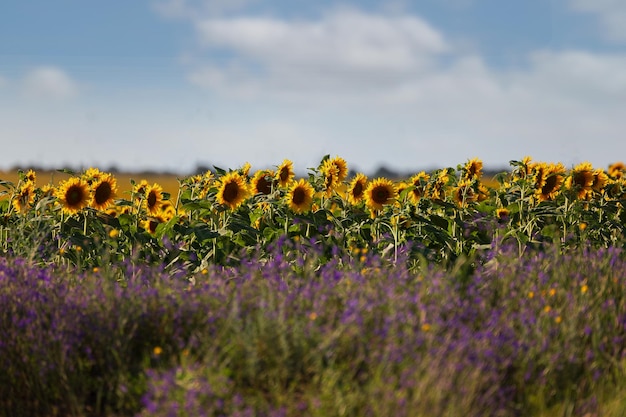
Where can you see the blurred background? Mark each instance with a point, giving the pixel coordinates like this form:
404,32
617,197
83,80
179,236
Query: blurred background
180,85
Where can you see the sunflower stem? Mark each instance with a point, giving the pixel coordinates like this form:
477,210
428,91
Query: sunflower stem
60,227
178,196
521,218
564,219
395,240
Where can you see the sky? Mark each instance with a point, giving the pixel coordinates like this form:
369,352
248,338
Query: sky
172,85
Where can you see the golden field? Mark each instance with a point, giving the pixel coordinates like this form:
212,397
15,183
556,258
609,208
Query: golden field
169,182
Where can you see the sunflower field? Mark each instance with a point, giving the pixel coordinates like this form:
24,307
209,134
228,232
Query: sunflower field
265,293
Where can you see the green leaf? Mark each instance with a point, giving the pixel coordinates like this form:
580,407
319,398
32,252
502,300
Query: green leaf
204,233
270,234
67,171
7,184
439,221
193,205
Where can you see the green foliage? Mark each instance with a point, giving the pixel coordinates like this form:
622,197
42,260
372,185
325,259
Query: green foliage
453,299
443,215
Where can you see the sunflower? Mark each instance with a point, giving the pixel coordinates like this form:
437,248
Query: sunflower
617,170
539,171
208,177
380,192
245,169
151,223
401,186
262,182
502,214
356,189
25,197
140,189
167,211
104,191
525,168
284,173
47,190
600,179
300,196
342,167
616,188
205,183
233,190
330,173
580,180
74,195
528,164
437,188
483,192
418,181
464,193
92,175
30,176
473,169
154,198
193,180
554,178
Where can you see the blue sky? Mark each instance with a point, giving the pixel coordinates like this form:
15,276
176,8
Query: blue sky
173,84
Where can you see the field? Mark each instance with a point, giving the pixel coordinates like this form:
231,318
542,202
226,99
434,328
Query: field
258,293
168,181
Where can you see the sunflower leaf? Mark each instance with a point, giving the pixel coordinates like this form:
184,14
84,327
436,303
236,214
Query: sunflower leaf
66,171
204,233
7,184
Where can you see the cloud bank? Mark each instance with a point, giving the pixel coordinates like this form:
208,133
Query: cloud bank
611,13
401,72
346,51
378,88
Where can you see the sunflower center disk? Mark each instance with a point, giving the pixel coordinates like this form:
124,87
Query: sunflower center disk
103,192
231,191
380,195
152,200
264,186
299,197
74,196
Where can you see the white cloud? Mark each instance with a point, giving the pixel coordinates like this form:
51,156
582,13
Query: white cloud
49,82
612,14
580,75
381,70
372,88
563,106
348,39
347,49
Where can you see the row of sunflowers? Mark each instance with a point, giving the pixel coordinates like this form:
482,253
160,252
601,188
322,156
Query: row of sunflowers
443,213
